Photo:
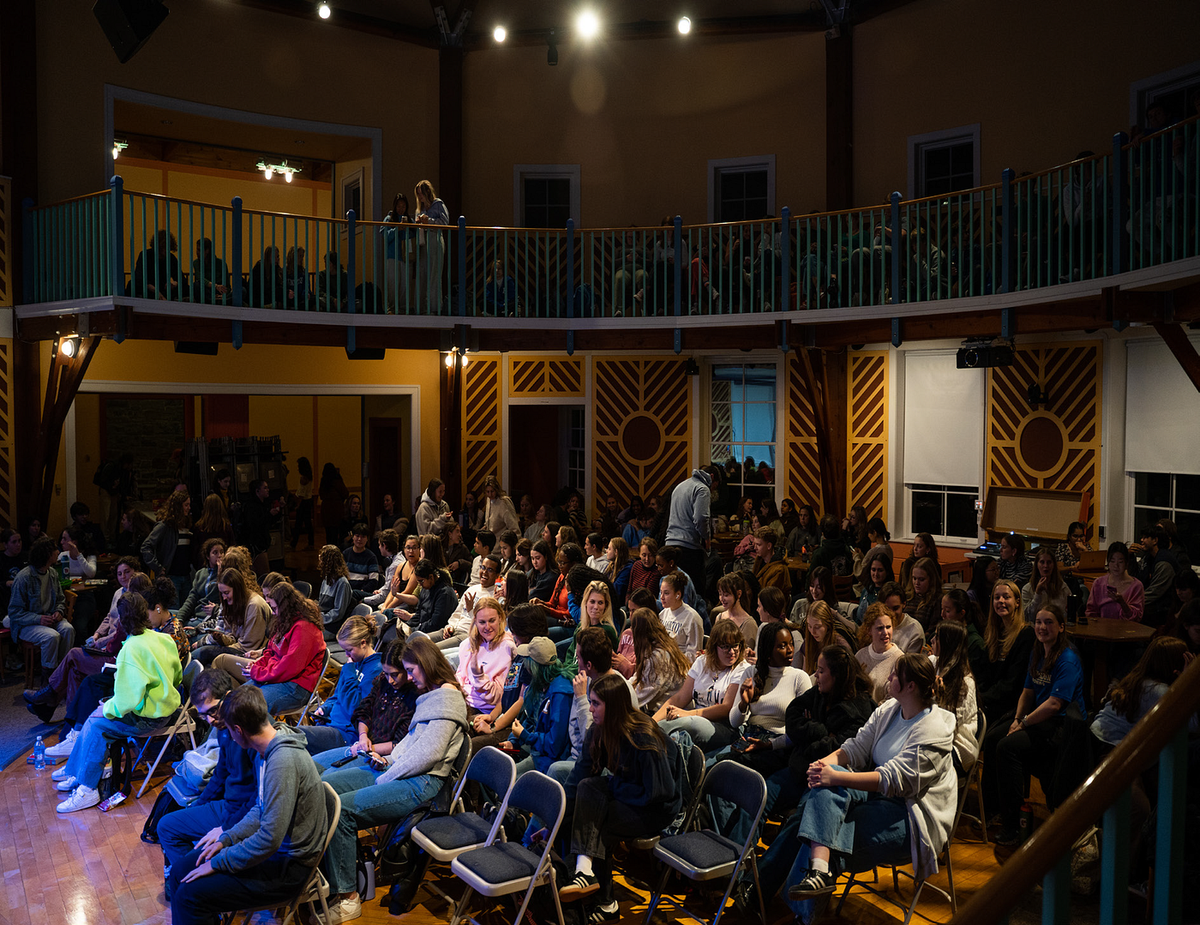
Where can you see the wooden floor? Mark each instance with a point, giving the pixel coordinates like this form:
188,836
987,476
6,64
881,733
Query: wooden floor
91,868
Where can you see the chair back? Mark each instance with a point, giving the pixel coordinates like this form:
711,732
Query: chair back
361,610
743,787
536,793
303,587
495,770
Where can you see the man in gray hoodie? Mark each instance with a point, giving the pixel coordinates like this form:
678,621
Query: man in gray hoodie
687,526
266,856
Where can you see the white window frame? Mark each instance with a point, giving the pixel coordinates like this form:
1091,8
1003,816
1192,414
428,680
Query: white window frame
1142,90
779,486
942,539
522,172
761,161
942,139
1172,509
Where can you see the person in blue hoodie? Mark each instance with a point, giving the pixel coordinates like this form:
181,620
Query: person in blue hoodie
335,717
230,791
543,727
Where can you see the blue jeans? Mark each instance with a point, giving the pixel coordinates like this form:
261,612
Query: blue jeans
319,739
365,804
324,760
275,880
709,736
86,763
179,831
50,640
283,695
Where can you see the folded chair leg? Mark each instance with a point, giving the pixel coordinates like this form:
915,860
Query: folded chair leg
149,774
845,893
762,909
461,906
656,895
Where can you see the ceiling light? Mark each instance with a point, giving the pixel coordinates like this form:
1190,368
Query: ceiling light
588,24
268,172
323,11
284,169
449,361
685,25
499,33
118,147
69,347
463,361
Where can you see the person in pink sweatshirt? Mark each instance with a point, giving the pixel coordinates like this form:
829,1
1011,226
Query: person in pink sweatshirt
483,659
290,667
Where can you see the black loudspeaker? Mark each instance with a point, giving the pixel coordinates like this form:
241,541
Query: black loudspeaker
199,347
129,23
365,353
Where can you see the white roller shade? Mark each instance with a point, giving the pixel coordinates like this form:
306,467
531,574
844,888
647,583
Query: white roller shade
943,420
1161,410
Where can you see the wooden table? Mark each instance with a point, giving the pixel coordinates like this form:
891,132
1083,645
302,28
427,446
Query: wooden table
798,567
1106,633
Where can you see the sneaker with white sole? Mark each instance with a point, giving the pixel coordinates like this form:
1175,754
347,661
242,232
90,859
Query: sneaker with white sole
344,910
66,785
83,797
64,746
59,773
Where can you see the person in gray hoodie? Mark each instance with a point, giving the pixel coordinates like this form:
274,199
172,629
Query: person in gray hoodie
902,803
396,784
687,526
266,856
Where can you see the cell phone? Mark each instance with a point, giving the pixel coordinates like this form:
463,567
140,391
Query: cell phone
344,761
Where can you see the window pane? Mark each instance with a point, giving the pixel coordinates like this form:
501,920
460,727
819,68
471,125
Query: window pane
927,513
960,515
1189,533
1152,488
1187,492
1144,516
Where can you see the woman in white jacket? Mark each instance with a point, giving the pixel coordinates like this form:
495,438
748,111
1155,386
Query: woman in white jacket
499,513
903,804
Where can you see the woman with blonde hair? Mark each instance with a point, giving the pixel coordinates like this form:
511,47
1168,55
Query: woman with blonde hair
431,211
878,654
1009,640
484,658
499,513
357,637
821,630
597,610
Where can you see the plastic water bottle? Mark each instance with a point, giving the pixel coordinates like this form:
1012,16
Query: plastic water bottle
39,754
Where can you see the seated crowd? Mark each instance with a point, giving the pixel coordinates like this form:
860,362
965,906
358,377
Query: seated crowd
599,653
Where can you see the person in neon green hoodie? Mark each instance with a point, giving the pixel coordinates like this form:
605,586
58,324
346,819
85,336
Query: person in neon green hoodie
145,697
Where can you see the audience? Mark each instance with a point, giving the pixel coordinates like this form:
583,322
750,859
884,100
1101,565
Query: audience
702,704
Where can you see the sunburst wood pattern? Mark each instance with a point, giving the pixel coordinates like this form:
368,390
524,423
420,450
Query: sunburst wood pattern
643,425
867,431
804,468
481,416
1071,374
530,376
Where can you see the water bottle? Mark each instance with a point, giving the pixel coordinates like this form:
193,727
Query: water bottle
1026,821
39,754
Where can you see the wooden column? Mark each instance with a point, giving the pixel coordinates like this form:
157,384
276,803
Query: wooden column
839,122
450,129
824,376
1176,339
62,385
450,432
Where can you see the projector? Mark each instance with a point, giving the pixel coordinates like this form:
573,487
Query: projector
982,356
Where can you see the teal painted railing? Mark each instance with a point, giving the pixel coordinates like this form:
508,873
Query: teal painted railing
1132,208
1161,737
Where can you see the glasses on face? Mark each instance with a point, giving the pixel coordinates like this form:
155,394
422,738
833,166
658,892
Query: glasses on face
733,648
1076,536
211,711
488,568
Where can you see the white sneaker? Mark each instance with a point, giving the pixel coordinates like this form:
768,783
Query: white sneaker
64,746
341,911
59,773
82,798
67,784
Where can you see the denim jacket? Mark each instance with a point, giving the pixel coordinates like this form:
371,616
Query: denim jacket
25,602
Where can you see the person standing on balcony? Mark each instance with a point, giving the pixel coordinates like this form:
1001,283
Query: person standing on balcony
397,242
431,211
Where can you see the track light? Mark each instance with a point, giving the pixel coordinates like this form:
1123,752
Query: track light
552,51
118,146
69,347
588,24
685,25
323,10
499,33
285,169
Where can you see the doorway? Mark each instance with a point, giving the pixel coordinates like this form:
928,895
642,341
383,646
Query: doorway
550,451
385,467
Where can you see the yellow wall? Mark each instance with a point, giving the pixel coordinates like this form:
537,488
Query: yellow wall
230,55
1044,80
291,417
642,119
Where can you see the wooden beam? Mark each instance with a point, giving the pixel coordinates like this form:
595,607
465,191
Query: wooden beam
62,385
839,121
825,381
1184,351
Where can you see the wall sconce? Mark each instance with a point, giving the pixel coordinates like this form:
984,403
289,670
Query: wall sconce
119,145
454,355
69,346
1036,395
269,170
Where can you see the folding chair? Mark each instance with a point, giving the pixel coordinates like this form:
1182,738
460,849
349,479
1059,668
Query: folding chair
500,868
303,587
444,838
315,888
974,780
709,855
183,722
314,699
695,773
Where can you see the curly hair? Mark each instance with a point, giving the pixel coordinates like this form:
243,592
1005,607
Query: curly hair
330,564
290,608
172,511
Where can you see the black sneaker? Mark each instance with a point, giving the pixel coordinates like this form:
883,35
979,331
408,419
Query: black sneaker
815,883
603,913
1007,838
578,886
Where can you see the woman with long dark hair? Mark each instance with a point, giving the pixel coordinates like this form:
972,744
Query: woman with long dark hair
985,570
626,784
957,693
168,548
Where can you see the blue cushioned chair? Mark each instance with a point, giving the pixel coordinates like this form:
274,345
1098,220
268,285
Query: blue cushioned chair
709,855
500,868
444,838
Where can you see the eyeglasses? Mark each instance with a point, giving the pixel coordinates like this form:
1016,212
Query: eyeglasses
205,714
733,648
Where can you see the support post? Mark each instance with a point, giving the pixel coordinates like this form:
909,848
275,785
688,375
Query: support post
28,235
839,120
897,340
1008,230
1120,201
1056,893
352,265
785,257
116,235
1171,815
570,270
235,269
462,266
450,122
678,226
1114,862
896,252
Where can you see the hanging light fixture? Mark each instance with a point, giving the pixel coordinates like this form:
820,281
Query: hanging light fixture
284,169
119,145
685,25
323,10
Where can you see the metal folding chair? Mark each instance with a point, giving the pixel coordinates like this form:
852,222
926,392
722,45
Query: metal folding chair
709,855
500,868
974,780
314,699
183,722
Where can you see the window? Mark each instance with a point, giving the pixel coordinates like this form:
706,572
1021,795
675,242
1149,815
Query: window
576,450
743,421
943,162
1172,89
545,195
1157,495
741,189
946,511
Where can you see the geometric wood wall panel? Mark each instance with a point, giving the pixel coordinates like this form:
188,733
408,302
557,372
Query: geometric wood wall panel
643,425
804,470
866,431
1057,445
481,421
8,513
531,376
